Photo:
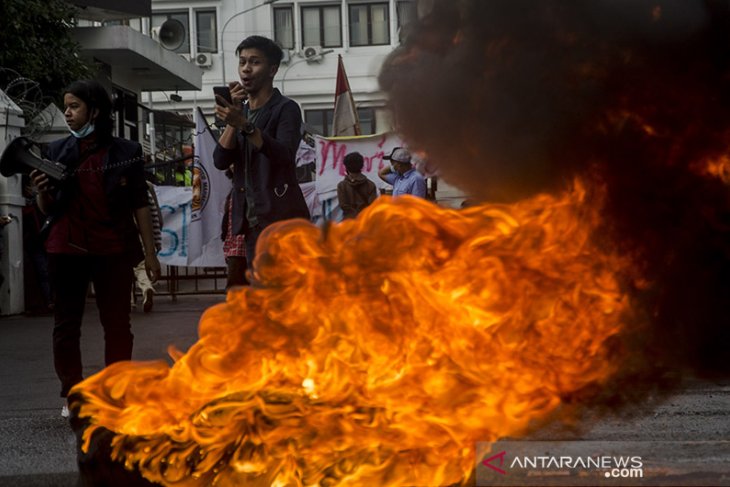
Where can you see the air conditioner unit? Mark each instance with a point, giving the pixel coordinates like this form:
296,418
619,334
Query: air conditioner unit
204,60
312,53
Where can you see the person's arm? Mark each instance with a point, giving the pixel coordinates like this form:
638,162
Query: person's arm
228,138
225,152
386,174
345,205
156,216
373,195
43,187
224,157
281,148
144,224
139,199
231,113
156,202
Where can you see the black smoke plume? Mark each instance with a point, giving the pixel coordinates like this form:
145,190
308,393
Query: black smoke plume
508,98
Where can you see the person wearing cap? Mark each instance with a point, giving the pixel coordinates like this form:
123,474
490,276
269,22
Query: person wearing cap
401,174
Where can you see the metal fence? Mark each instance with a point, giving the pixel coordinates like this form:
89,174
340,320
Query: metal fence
181,281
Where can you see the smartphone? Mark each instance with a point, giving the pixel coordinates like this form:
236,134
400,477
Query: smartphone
224,92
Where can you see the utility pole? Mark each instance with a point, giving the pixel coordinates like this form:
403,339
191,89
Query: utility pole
223,30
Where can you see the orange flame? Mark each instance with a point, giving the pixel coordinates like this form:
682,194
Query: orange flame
717,167
377,351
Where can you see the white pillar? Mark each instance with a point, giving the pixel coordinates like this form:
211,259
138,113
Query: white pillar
12,294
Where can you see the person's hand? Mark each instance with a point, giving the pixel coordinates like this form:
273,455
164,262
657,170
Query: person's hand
232,114
152,266
40,181
238,94
5,219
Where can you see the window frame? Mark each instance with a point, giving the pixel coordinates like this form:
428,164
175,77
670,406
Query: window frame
321,9
372,118
126,113
400,24
290,8
191,28
328,119
214,35
369,13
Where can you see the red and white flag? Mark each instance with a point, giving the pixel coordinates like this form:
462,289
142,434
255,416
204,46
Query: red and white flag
344,121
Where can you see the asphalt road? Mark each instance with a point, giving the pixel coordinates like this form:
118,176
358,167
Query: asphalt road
37,447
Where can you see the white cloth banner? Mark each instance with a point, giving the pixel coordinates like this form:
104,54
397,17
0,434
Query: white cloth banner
175,203
175,206
331,153
210,187
309,190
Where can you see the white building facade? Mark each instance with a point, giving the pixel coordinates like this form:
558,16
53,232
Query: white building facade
312,34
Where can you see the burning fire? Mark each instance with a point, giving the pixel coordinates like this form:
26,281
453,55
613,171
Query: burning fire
379,350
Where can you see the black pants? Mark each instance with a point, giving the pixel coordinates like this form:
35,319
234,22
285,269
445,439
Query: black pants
70,276
236,275
252,238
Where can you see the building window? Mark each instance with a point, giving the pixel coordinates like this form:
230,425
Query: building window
367,120
369,24
320,121
284,27
321,26
406,10
205,27
126,114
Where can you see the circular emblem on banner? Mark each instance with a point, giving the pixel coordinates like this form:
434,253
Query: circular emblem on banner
201,190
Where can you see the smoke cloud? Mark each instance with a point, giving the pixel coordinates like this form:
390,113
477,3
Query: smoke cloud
508,98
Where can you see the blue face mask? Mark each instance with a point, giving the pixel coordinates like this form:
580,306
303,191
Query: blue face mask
85,130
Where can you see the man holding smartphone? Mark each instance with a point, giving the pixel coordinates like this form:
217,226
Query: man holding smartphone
225,92
260,141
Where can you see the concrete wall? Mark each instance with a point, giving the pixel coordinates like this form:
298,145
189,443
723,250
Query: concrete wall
12,295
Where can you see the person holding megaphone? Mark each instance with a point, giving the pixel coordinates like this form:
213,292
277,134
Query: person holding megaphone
96,216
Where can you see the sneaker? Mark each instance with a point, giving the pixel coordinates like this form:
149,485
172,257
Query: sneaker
147,303
64,411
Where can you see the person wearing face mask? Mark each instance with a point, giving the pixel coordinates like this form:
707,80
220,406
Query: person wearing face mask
91,231
404,178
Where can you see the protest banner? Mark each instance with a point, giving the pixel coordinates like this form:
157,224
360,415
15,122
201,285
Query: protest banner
175,206
210,187
182,207
331,153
